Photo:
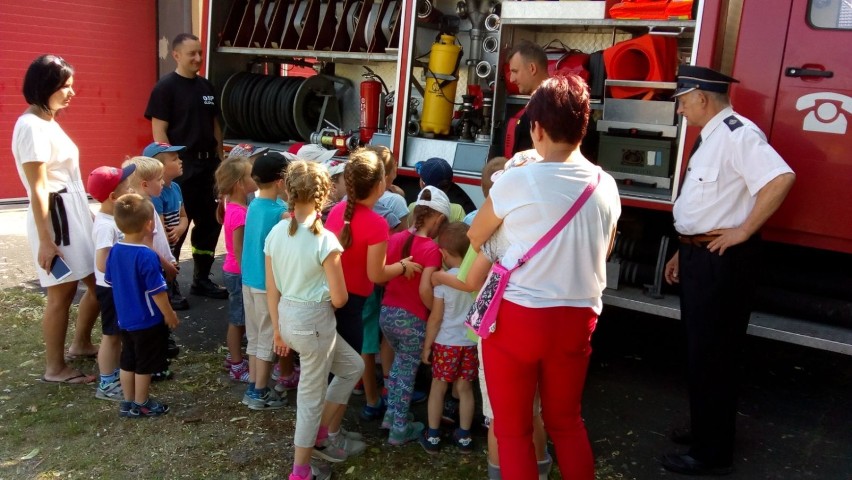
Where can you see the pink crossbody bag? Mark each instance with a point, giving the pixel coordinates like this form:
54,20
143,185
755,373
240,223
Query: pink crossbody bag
482,318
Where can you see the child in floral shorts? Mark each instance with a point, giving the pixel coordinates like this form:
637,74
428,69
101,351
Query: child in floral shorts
447,347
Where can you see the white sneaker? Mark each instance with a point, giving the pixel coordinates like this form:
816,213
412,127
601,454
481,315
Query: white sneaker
320,470
351,435
351,447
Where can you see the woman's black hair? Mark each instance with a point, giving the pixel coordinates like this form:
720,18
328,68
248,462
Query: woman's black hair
45,76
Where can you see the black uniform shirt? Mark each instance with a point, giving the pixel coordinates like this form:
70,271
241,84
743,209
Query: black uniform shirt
189,105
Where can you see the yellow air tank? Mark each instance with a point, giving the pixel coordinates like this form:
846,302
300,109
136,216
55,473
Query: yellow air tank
440,91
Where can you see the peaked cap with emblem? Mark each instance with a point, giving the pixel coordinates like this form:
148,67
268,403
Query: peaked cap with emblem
691,77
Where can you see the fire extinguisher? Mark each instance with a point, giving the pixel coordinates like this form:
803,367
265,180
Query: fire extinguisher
441,80
372,104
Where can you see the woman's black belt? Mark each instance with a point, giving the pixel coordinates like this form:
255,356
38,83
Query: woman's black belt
59,217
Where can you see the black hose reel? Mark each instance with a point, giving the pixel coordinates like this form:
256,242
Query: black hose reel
275,109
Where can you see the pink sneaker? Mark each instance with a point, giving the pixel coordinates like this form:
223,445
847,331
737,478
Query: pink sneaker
290,382
226,364
276,372
239,372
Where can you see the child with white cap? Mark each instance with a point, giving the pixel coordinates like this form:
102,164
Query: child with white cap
405,308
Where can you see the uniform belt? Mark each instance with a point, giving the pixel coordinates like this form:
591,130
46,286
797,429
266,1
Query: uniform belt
700,240
202,155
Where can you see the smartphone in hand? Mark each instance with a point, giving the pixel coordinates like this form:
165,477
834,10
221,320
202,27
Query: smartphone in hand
59,269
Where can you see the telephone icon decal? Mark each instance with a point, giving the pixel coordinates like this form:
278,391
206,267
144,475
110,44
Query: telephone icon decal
826,112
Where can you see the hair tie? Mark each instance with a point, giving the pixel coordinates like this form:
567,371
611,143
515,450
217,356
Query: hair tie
346,222
292,214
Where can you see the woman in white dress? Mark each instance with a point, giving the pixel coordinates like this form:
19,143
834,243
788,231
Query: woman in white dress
59,222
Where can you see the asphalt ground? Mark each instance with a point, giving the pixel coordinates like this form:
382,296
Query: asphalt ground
794,416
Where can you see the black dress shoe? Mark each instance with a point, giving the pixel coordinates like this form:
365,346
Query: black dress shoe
681,436
685,464
206,288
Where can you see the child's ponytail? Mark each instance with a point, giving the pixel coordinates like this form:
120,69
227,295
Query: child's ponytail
363,171
346,232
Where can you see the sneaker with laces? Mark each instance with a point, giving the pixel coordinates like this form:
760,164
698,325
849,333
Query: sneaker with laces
359,388
432,445
450,412
112,392
369,412
150,408
239,372
290,382
268,400
463,443
329,452
124,408
320,470
276,372
247,395
412,432
351,447
351,435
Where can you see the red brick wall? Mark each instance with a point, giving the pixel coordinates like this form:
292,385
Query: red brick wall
112,46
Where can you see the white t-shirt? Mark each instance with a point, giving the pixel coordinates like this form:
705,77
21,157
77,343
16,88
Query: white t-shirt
297,261
571,269
105,234
161,241
724,175
457,304
37,140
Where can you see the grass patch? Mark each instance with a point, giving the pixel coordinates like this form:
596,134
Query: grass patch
60,431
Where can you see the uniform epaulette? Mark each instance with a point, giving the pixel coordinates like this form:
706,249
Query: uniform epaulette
733,122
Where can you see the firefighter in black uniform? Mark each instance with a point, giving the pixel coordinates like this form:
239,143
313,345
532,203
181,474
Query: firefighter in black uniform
735,181
184,110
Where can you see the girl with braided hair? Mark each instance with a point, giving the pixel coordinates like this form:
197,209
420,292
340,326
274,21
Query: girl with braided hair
405,309
364,236
304,284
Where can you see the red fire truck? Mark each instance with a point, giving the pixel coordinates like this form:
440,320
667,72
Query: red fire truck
791,57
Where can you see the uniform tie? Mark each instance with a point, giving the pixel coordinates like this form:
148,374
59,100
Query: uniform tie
691,153
695,146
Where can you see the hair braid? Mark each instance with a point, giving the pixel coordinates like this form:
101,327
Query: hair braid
362,173
293,223
319,200
307,183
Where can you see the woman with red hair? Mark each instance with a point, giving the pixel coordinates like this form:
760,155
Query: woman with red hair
552,302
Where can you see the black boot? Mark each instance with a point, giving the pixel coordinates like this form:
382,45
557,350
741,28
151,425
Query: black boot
175,298
201,283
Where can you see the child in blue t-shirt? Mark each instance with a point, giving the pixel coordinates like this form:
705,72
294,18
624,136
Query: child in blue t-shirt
144,313
263,213
169,206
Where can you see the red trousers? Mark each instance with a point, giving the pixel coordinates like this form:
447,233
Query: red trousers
548,348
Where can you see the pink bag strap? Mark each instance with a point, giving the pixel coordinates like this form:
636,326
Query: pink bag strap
569,215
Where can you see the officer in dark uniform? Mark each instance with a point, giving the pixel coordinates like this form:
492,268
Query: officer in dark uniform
735,181
184,110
